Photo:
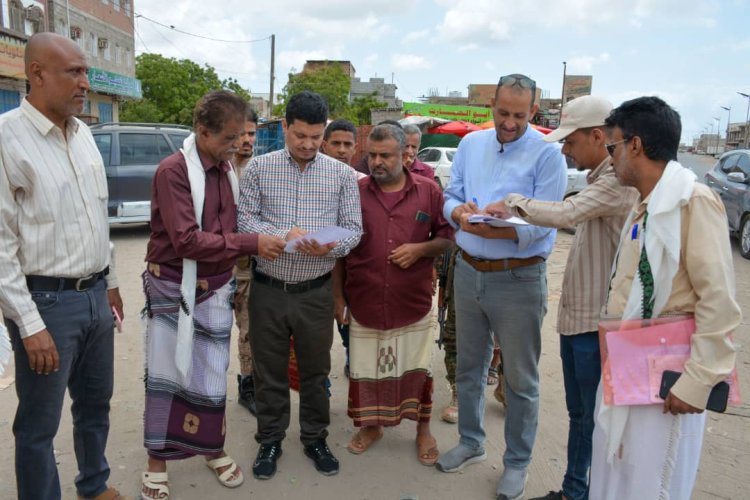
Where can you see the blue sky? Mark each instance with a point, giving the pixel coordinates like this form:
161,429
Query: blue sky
695,54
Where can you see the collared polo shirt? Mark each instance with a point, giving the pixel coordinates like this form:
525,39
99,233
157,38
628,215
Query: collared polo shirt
380,294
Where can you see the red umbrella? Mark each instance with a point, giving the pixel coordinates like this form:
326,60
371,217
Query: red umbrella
459,128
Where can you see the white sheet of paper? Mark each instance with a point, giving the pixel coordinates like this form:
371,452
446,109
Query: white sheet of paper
497,221
323,236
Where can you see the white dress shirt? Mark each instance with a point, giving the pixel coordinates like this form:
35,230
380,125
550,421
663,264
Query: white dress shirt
53,208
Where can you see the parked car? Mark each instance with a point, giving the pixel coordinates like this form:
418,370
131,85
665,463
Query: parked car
730,178
131,153
440,159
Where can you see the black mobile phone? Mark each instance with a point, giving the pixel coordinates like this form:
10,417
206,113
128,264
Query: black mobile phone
717,400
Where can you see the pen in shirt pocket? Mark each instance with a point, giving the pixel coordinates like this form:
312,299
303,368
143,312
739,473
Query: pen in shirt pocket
634,233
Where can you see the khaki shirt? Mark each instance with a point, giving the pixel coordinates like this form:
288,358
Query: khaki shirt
703,286
598,212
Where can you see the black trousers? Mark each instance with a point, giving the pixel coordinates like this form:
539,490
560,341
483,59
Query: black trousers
275,316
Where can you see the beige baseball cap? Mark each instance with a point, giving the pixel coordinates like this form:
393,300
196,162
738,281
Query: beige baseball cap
582,112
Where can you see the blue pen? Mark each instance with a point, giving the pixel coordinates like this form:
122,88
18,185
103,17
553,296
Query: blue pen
475,201
634,234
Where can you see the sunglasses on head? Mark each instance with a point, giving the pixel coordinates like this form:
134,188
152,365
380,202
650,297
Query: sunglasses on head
611,147
520,80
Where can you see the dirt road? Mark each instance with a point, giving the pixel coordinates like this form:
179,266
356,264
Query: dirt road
390,469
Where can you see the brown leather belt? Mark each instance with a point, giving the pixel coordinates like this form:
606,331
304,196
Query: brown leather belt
488,266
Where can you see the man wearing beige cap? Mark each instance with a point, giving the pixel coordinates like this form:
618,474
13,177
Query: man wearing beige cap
598,212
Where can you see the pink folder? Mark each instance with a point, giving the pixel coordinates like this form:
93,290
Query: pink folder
635,353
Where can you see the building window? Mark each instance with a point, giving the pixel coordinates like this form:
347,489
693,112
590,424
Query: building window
91,46
126,7
35,17
118,54
116,5
17,16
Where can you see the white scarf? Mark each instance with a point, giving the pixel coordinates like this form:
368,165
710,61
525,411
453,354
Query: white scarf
197,178
662,240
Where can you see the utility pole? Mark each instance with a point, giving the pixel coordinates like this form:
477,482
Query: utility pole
718,134
747,120
273,60
562,94
729,119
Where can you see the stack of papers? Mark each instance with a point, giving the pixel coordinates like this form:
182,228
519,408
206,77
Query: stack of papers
497,221
323,236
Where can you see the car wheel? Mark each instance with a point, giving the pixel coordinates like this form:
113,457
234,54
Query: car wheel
745,236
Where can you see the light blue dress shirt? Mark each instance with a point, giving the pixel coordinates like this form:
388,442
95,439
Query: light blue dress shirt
529,166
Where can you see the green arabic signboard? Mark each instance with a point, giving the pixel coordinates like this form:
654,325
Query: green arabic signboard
106,82
473,114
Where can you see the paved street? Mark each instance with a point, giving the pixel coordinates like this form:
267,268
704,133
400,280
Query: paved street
390,469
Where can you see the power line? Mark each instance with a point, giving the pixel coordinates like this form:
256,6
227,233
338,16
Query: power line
138,34
171,27
187,57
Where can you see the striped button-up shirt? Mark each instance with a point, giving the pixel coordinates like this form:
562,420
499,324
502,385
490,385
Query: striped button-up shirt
53,208
598,212
276,196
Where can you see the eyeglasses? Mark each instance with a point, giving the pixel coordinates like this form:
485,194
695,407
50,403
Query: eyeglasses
520,80
611,147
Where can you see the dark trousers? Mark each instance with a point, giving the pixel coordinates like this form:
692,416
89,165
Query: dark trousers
581,373
81,326
275,316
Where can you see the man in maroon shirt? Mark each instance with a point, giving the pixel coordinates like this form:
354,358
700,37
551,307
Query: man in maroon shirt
411,162
388,292
188,286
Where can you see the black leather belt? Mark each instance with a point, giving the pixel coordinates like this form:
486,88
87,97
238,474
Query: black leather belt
50,284
291,287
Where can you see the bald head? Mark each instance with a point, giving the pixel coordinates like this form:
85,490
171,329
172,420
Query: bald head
58,76
43,46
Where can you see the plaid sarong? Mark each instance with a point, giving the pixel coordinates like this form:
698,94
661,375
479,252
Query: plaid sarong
390,375
182,420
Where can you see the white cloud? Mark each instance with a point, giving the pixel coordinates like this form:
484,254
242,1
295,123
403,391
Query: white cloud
585,64
409,62
489,22
415,35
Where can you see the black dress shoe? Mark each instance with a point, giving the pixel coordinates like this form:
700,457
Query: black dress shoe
264,466
246,390
324,460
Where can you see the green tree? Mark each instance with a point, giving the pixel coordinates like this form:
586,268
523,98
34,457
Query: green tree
358,111
330,81
171,88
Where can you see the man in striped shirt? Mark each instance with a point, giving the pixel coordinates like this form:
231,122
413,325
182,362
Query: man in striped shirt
598,212
289,193
57,292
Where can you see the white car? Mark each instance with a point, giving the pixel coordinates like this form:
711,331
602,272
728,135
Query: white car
440,159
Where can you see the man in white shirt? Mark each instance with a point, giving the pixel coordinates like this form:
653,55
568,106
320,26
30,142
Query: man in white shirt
57,293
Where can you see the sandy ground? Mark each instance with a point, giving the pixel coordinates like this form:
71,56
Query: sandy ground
390,469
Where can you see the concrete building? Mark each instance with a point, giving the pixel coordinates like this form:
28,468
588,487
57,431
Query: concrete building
18,21
102,28
346,66
375,87
738,136
104,31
